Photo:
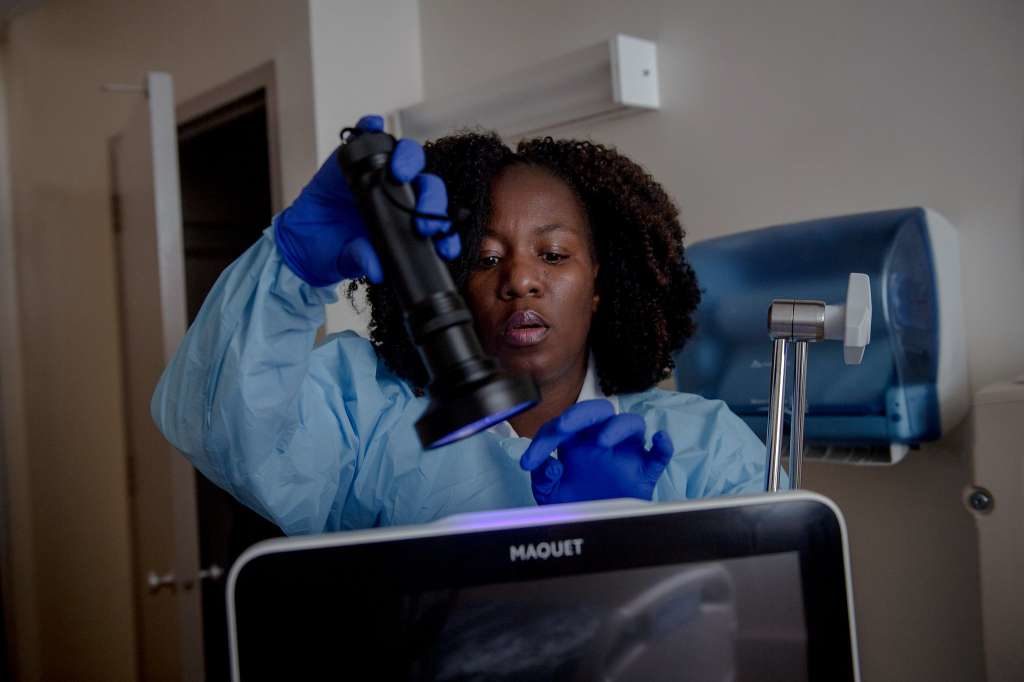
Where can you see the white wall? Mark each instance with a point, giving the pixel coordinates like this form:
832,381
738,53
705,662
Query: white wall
73,562
802,109
783,111
366,60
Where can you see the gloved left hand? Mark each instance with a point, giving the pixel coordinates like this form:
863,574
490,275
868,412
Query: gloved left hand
601,455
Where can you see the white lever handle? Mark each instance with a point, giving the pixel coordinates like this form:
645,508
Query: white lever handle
851,323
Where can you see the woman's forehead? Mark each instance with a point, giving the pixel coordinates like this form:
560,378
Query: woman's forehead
532,201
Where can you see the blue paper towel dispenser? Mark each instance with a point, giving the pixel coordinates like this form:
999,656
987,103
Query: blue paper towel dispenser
912,385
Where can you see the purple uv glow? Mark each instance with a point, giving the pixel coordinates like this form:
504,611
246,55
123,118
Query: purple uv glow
513,517
481,424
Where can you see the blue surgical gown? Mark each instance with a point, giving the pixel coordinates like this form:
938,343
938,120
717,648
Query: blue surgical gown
321,439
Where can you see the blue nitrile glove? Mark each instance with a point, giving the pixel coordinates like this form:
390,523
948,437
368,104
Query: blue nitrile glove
601,455
322,237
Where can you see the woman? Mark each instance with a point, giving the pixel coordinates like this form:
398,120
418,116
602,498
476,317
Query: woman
573,268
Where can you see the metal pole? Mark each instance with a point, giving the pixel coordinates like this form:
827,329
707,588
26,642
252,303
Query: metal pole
775,416
796,425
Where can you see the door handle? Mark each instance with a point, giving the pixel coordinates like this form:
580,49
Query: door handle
156,582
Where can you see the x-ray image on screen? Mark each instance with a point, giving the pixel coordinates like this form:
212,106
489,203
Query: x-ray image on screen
737,619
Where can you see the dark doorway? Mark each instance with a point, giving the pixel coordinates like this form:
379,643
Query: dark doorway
224,158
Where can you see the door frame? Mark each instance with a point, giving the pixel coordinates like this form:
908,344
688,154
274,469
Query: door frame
262,77
159,307
19,626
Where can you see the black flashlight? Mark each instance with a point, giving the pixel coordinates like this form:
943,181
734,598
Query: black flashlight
469,391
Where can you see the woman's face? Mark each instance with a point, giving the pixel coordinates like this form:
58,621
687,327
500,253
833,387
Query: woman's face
532,289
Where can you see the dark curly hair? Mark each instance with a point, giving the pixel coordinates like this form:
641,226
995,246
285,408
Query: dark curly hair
647,290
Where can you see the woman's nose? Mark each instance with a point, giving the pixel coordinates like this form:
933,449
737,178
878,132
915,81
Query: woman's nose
520,278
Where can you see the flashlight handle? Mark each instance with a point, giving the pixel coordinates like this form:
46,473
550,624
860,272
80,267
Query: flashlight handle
436,316
409,259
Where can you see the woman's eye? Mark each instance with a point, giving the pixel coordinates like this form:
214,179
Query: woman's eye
487,261
553,257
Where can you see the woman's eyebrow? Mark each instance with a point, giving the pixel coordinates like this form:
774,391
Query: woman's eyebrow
537,231
551,227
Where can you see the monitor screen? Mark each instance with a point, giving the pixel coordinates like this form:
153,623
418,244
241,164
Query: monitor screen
738,619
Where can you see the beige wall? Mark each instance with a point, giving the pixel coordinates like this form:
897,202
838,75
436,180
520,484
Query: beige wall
366,60
776,112
56,57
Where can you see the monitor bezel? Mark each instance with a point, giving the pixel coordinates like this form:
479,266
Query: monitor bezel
616,534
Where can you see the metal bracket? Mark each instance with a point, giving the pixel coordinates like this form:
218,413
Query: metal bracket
800,323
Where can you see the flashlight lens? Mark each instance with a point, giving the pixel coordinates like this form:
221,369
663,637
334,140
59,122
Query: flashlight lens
481,424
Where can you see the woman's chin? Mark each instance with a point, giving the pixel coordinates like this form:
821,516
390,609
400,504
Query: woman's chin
523,361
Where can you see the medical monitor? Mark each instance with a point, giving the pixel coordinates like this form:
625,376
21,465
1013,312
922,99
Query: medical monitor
745,588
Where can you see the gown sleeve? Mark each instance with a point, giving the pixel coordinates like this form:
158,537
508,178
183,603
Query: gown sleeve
280,425
716,453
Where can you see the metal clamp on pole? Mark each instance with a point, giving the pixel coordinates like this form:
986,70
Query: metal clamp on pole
801,322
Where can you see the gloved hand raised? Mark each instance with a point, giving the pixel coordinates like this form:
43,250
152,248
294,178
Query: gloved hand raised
601,455
322,237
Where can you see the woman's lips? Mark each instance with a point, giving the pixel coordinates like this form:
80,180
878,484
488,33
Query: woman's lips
524,328
524,336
